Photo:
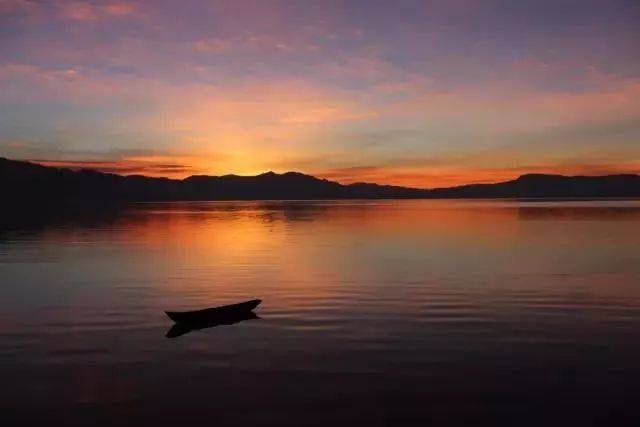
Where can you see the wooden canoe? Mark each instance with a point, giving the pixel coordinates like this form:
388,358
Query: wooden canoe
182,328
209,313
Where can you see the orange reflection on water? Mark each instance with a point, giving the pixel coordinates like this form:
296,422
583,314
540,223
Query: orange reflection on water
203,253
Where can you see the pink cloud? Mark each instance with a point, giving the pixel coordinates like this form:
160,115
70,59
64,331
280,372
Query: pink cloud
88,11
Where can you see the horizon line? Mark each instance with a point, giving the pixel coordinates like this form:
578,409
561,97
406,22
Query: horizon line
64,164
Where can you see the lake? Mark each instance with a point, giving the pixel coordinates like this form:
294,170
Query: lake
374,313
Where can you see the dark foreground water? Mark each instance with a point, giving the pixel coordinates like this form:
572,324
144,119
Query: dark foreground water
374,313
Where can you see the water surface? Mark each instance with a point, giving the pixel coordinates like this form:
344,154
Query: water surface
374,313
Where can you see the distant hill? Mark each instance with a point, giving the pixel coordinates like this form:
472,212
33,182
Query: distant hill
25,181
549,186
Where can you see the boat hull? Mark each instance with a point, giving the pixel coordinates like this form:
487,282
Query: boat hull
209,313
182,328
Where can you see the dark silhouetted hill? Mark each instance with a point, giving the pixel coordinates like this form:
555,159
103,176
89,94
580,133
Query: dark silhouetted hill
549,186
25,181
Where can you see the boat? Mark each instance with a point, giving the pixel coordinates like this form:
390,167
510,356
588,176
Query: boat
208,314
182,328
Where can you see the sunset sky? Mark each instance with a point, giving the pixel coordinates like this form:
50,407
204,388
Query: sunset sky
419,93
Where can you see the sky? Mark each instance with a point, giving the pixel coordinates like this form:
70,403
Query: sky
407,92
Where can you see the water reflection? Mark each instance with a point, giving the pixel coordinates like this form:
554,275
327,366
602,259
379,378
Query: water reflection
579,213
131,216
16,220
391,306
182,328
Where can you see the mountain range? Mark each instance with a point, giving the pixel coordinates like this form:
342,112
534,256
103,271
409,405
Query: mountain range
28,182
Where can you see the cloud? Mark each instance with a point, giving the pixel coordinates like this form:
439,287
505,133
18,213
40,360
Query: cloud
213,45
124,167
89,11
409,91
159,163
16,7
451,175
324,115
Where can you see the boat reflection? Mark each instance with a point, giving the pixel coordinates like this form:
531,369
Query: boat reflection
183,328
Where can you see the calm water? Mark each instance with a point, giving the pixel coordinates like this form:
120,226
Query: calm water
374,313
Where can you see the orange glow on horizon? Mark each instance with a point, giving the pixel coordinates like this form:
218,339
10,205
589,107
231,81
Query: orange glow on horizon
180,168
449,177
